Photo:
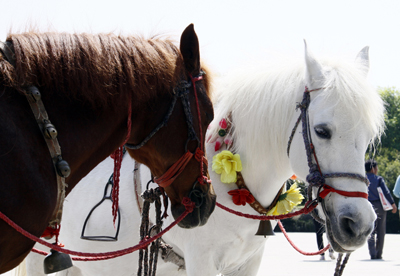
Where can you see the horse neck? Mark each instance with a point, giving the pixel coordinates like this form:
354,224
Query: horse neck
265,178
87,135
262,147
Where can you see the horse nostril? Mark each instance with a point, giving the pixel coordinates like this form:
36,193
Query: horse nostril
197,196
350,226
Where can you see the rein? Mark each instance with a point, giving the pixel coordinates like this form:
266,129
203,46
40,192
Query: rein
100,256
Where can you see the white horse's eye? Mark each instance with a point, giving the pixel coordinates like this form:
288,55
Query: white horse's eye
323,132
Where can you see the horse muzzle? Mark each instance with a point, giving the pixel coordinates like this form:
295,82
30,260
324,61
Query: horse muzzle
204,204
348,226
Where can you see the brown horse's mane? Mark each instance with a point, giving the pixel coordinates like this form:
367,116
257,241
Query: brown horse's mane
85,64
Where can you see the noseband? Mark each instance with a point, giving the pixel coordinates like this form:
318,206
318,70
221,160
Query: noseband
316,178
182,91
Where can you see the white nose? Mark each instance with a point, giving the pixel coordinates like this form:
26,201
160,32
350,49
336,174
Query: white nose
351,222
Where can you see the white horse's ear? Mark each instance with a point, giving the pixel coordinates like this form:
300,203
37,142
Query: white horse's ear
362,60
314,73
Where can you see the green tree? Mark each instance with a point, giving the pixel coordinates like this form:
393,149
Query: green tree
388,151
391,138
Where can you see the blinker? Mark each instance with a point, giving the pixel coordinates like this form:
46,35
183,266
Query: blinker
34,94
49,130
265,229
62,167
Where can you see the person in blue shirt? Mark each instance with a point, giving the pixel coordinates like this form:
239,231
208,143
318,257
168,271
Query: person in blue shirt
396,189
377,238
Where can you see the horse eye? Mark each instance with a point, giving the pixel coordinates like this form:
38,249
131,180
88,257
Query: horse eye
323,132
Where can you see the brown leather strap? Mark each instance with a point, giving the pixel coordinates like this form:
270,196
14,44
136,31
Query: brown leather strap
257,205
39,111
41,117
7,50
240,181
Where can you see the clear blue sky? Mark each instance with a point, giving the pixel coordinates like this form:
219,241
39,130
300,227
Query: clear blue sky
233,32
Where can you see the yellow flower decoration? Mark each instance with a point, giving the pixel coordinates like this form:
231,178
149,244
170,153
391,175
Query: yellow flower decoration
287,201
227,164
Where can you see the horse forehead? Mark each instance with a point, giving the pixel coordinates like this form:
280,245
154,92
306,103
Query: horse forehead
334,114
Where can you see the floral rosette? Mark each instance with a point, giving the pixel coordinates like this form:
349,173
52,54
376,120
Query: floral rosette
287,201
227,165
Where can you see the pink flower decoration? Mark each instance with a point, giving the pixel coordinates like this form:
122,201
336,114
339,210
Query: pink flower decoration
217,145
223,124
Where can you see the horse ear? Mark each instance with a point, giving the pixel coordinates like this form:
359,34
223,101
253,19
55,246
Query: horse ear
362,60
314,72
189,48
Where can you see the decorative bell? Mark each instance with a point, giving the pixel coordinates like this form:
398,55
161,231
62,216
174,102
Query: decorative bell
56,261
62,167
49,130
265,229
34,93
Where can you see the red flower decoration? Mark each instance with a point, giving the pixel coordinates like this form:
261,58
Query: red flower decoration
241,196
223,124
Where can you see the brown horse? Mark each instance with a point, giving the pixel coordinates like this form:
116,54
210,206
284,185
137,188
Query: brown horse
88,85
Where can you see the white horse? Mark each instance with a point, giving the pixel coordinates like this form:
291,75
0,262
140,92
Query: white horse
344,116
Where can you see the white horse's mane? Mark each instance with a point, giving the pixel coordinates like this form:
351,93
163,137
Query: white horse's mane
262,101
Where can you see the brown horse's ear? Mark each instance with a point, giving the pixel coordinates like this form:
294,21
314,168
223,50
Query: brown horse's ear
190,50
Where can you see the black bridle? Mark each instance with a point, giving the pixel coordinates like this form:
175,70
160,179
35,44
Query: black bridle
182,91
316,178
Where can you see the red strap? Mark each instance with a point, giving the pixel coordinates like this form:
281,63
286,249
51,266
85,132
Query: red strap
196,78
329,189
173,172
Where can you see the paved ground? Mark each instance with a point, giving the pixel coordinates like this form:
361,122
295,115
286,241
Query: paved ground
280,259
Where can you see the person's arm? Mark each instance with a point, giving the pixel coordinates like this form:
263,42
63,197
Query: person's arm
386,191
394,210
387,194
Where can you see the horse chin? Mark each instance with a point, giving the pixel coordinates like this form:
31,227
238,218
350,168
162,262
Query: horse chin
199,216
336,246
346,232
